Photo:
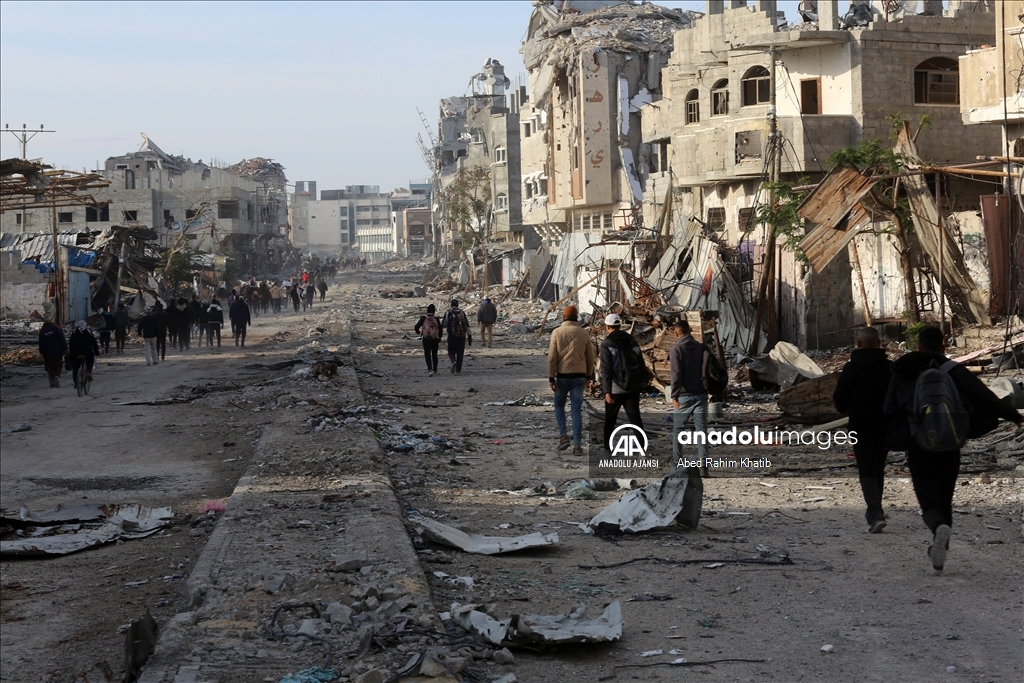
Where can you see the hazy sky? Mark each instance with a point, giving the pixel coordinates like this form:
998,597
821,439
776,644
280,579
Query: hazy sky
329,90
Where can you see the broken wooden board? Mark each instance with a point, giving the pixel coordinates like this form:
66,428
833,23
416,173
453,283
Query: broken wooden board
830,202
811,400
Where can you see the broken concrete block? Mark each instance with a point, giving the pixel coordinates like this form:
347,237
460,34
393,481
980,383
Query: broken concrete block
371,604
503,656
350,562
371,676
338,613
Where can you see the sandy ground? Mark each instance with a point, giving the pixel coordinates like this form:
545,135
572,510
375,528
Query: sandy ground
828,582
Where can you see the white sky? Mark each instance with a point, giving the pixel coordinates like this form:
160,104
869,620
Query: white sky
329,90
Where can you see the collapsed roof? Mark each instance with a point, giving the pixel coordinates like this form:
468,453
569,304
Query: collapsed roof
260,170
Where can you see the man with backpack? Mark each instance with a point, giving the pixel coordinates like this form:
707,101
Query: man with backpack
860,393
429,327
933,406
623,375
696,373
456,324
487,315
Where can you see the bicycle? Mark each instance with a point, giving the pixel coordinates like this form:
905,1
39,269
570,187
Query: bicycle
82,376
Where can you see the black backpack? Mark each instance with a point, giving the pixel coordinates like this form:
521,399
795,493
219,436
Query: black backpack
629,369
715,378
939,422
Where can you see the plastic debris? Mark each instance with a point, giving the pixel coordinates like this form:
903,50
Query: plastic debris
77,527
562,629
477,544
677,497
313,674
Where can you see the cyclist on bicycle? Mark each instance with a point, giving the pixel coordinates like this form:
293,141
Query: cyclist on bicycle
82,349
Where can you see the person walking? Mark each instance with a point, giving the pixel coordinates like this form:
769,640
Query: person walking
322,286
193,316
860,394
52,347
487,315
295,296
310,293
120,327
623,375
275,297
688,360
148,329
240,319
104,334
204,324
910,405
265,297
214,320
183,318
163,322
82,350
571,361
456,324
429,329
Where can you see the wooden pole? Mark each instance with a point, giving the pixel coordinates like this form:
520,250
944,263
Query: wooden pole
860,280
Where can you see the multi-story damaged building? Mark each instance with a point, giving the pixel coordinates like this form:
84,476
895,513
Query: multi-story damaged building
214,210
355,221
478,156
836,81
411,219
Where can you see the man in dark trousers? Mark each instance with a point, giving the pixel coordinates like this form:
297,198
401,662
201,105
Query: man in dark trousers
183,317
487,315
240,319
108,329
53,346
148,330
215,318
860,394
934,474
163,323
617,343
456,324
121,322
429,327
689,396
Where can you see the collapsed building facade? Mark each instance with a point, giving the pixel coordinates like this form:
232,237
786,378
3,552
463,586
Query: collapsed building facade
477,157
652,134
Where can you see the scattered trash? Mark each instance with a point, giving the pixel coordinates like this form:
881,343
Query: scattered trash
70,529
133,584
477,544
714,565
951,669
652,653
581,490
215,505
650,597
562,629
827,648
313,674
528,400
677,497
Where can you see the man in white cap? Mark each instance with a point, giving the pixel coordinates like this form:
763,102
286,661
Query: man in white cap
623,375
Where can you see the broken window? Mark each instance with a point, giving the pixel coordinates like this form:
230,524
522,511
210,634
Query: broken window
810,96
756,86
746,220
168,218
586,222
660,161
228,209
121,167
528,190
190,214
17,219
716,219
501,202
693,107
499,155
937,81
526,129
130,216
606,221
748,145
94,214
129,180
720,98
65,217
543,186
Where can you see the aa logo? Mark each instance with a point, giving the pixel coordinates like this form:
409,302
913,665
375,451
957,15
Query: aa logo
628,441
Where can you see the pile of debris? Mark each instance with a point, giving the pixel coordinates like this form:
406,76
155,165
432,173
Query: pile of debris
261,170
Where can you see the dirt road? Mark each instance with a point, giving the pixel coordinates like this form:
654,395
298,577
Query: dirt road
826,581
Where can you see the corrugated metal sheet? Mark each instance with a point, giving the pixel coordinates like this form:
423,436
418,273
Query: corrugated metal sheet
830,202
35,246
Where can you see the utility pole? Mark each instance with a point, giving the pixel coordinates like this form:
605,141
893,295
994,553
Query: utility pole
766,287
23,136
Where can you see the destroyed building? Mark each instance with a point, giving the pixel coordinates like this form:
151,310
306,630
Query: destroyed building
298,212
707,141
411,219
478,156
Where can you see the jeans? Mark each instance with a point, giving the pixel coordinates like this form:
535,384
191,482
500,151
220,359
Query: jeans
695,407
631,402
430,353
151,355
573,389
456,351
486,334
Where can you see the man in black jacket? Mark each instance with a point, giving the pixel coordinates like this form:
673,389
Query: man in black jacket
240,319
53,346
487,315
149,328
614,345
860,393
163,323
934,474
689,396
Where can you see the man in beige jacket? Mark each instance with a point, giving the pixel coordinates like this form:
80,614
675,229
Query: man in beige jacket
571,362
